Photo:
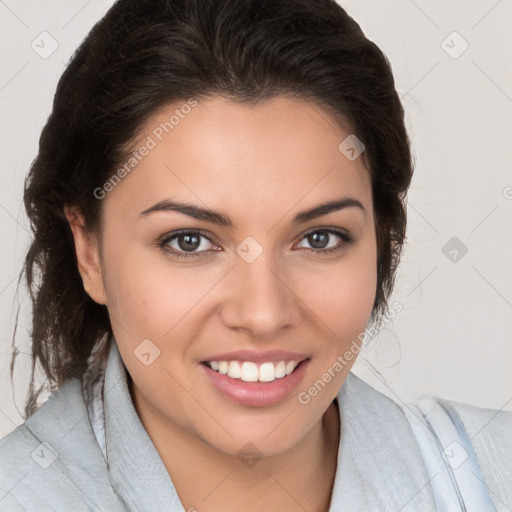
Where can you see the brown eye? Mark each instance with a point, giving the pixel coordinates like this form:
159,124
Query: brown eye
189,242
185,244
319,239
326,240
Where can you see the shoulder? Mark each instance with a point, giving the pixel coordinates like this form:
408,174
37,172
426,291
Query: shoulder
466,450
490,430
52,416
53,419
484,423
474,444
52,460
490,433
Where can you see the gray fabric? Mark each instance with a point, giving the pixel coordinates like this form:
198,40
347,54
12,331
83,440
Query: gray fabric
380,467
490,433
455,475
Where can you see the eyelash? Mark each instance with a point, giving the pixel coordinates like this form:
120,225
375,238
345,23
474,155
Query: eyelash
346,238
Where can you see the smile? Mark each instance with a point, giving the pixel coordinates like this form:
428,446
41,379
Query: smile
252,372
251,384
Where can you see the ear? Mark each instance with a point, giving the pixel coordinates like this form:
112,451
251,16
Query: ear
87,256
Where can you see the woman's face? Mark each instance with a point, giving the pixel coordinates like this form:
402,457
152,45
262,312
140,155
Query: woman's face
250,277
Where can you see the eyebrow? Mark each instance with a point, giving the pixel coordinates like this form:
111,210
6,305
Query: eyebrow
218,218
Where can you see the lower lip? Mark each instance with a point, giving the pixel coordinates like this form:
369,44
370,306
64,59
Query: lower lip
256,394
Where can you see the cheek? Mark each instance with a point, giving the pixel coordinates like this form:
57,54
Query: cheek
341,295
146,295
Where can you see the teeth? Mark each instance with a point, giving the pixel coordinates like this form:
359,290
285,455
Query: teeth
290,366
280,370
251,372
223,367
234,370
267,372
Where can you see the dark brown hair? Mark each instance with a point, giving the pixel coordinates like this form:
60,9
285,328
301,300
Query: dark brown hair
144,54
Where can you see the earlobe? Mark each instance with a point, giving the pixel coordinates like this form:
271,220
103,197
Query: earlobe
87,255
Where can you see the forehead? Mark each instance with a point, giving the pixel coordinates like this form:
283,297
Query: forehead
279,152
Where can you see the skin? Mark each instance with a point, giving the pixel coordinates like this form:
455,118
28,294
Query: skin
260,166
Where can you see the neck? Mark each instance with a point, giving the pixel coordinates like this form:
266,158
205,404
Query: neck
208,480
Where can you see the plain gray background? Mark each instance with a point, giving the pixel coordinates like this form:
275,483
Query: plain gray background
451,62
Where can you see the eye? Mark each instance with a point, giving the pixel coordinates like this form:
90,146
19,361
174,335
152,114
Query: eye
195,244
186,244
323,240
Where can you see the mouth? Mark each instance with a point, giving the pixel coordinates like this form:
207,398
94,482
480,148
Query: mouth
249,371
252,384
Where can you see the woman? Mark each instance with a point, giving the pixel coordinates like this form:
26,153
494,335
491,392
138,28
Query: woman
218,207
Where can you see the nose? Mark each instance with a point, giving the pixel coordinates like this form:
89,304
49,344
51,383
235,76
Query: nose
261,300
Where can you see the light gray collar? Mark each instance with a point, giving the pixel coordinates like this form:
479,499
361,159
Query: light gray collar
379,468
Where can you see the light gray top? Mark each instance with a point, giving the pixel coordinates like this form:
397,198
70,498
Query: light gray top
54,461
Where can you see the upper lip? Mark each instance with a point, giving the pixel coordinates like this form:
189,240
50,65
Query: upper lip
256,356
